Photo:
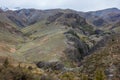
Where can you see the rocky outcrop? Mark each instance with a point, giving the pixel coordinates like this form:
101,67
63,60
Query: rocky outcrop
68,19
76,49
50,65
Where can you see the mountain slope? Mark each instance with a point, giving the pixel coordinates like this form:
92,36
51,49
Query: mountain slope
106,58
10,35
106,18
50,41
9,38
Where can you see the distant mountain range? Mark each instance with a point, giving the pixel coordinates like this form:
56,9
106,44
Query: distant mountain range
25,17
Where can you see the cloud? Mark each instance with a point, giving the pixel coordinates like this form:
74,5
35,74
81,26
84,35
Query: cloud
81,5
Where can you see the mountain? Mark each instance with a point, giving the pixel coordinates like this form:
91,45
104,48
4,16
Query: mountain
56,32
41,25
33,26
107,17
60,38
26,17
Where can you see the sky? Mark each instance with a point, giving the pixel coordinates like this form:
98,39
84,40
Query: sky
79,5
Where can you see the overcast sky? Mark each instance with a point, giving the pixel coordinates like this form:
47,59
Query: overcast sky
80,5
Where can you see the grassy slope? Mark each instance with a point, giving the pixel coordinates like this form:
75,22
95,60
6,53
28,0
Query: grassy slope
8,40
45,43
4,18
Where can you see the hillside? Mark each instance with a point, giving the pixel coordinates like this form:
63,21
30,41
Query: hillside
106,57
53,35
10,36
106,18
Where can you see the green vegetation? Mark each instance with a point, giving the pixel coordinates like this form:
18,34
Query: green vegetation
84,77
72,32
67,76
100,75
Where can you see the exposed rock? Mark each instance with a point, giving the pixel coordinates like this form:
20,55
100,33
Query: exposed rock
77,49
99,22
50,65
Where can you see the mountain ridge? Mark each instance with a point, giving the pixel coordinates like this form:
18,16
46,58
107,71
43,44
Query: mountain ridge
23,13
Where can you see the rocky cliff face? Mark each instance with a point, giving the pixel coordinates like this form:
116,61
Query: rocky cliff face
77,49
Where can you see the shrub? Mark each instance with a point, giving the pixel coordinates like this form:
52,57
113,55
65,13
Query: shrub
6,63
8,72
99,75
11,73
84,77
67,76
